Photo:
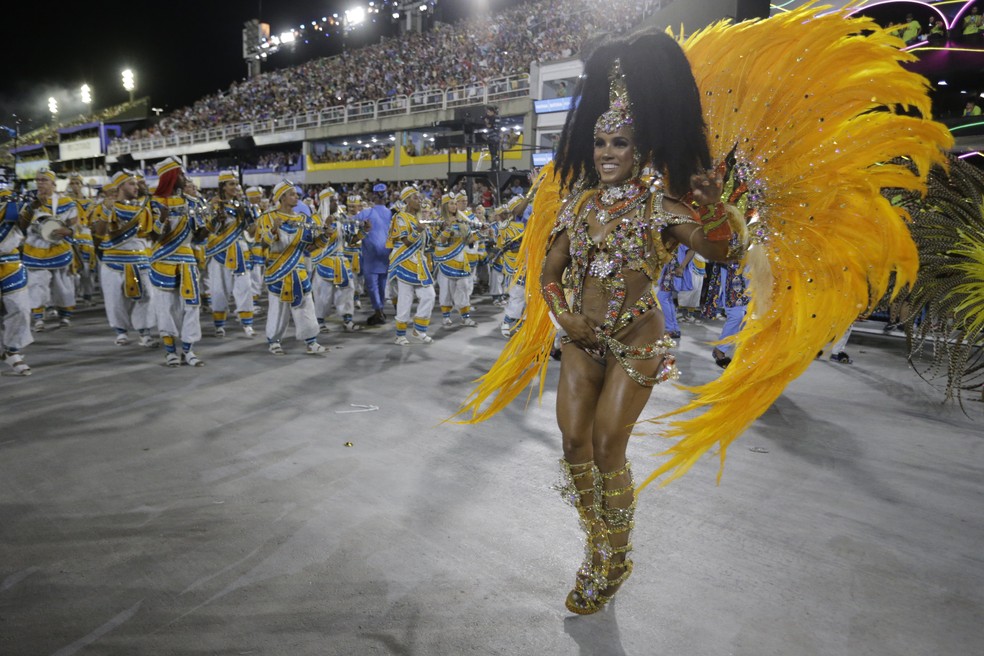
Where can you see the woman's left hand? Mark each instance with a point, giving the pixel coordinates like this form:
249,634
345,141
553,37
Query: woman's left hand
706,187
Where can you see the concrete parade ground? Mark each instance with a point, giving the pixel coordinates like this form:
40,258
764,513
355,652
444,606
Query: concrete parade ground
317,505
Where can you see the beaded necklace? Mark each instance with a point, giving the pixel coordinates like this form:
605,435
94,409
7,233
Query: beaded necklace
616,201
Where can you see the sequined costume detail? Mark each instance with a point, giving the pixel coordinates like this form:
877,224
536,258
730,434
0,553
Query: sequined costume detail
634,243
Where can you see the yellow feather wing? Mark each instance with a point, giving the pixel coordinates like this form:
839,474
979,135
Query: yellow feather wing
527,352
816,106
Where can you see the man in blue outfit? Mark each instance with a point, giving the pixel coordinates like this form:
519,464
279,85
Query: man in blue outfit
375,254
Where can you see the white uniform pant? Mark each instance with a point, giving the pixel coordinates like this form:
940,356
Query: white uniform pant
124,313
327,294
517,301
842,342
455,292
85,282
495,282
16,320
405,293
224,283
51,287
175,318
256,277
280,313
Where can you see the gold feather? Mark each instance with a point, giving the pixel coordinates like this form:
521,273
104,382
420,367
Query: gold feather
812,102
527,352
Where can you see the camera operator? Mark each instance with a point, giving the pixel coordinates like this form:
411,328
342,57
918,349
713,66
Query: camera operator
491,121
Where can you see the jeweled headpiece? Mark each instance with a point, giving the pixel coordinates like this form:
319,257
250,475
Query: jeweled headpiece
619,114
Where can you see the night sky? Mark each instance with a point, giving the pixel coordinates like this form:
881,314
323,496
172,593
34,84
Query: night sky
185,49
179,50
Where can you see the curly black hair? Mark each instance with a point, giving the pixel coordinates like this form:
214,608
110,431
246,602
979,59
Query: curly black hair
668,127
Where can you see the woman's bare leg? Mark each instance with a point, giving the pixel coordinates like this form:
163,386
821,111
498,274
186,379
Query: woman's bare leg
581,378
619,406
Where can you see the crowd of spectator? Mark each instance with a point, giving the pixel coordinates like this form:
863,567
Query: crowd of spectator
352,153
468,52
48,134
277,161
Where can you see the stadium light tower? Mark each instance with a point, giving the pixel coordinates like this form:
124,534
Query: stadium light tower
355,16
86,92
129,82
53,107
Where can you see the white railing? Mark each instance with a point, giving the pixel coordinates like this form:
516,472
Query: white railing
425,100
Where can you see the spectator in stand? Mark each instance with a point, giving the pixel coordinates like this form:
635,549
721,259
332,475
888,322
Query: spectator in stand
973,24
460,57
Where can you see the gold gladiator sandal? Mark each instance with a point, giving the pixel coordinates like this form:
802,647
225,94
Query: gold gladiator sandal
581,488
618,510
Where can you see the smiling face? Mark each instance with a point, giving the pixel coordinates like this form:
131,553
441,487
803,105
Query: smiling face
613,155
230,190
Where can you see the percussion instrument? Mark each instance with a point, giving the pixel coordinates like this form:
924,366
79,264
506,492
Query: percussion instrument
46,227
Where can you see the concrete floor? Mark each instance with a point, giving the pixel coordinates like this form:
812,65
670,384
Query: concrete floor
219,510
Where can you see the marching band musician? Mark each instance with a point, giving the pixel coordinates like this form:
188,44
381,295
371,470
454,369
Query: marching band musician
199,208
142,190
500,221
289,236
15,320
123,227
333,282
174,271
354,231
85,264
407,266
229,256
453,267
428,221
475,248
509,242
48,256
259,205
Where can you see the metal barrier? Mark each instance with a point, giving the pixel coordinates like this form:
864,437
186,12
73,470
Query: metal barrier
393,106
425,100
